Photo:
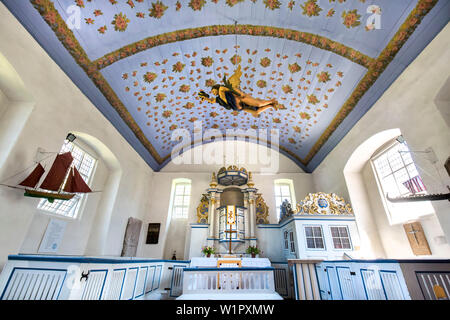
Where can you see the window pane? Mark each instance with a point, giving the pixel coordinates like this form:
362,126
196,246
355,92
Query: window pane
343,232
382,166
178,200
334,232
285,190
308,231
337,243
390,186
179,189
319,243
346,243
310,243
317,232
277,190
412,170
186,200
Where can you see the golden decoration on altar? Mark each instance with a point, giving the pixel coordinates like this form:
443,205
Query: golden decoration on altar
202,210
250,183
213,182
262,210
321,203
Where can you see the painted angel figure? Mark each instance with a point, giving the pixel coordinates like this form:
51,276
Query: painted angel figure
231,97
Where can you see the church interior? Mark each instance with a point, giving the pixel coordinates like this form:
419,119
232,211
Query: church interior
224,149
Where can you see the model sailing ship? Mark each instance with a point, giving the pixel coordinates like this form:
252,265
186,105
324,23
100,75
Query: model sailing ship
62,182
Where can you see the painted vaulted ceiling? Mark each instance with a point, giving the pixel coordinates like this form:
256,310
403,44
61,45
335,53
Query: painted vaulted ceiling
143,62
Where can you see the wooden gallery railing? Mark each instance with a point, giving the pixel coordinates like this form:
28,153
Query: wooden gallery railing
228,280
27,277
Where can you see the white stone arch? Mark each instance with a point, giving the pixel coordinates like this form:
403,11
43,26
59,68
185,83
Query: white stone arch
371,244
18,105
99,230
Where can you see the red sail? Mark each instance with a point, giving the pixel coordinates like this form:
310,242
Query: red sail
57,173
33,179
75,183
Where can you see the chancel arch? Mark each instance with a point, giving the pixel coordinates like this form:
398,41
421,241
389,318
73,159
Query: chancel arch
100,225
371,244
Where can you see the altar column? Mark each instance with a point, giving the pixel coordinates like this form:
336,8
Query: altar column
252,211
211,212
246,216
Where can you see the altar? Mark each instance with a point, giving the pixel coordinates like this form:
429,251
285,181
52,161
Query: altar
228,214
231,262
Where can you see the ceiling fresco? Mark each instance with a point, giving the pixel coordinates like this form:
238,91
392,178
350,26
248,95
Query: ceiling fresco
143,62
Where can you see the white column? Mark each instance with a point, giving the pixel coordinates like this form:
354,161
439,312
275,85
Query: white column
246,216
100,227
252,213
211,214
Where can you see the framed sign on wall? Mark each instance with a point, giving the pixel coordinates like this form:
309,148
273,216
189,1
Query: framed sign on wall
153,233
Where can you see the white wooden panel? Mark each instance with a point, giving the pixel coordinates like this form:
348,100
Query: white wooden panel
346,283
150,279
116,284
372,285
333,283
140,284
34,284
130,282
157,278
93,287
176,283
391,285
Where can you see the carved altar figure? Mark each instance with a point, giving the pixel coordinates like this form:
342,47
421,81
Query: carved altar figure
202,210
285,210
231,97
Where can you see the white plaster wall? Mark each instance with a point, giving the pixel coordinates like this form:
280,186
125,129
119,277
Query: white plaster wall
241,156
270,243
3,103
60,108
408,105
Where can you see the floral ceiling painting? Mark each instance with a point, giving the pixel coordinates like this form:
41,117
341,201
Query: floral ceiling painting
143,62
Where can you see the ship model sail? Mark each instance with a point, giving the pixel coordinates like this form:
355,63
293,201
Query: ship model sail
61,183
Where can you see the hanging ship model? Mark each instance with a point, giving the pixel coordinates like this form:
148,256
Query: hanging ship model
62,182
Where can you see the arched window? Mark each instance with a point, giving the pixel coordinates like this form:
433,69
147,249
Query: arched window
85,164
181,197
284,190
397,175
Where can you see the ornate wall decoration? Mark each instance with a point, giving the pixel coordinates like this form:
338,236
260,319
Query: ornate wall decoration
202,210
262,210
323,203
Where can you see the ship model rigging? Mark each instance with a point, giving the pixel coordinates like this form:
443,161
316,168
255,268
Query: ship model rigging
62,182
413,197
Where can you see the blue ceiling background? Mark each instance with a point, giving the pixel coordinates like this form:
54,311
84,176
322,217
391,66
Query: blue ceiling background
311,83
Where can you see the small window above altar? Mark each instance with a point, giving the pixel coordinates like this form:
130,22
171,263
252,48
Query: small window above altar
284,190
181,195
